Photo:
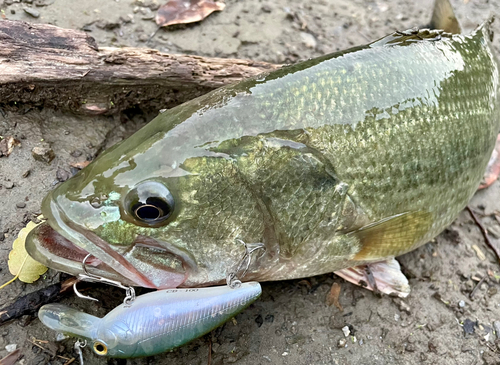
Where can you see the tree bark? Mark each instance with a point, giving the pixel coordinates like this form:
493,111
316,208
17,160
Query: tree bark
46,66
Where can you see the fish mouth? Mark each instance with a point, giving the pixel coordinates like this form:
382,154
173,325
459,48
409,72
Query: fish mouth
63,245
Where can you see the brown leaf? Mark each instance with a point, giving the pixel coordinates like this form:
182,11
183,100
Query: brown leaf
186,11
7,144
80,165
333,296
11,358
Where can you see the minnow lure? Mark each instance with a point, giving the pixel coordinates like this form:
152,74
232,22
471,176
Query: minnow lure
152,323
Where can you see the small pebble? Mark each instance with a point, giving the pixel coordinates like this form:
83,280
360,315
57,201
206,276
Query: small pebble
21,205
43,154
461,304
494,231
143,37
402,306
62,175
346,331
11,347
266,9
410,347
308,39
33,12
468,327
76,153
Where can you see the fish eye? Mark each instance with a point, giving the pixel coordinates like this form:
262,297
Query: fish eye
150,203
100,348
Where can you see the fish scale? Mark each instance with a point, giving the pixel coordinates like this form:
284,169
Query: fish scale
350,158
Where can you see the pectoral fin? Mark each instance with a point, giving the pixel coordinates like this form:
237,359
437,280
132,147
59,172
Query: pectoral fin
392,236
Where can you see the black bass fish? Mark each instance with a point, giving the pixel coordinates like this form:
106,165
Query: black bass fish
348,159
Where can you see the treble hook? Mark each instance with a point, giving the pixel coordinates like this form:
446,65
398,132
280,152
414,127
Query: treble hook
231,278
129,291
78,346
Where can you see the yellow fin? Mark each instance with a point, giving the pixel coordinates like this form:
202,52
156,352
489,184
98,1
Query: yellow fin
444,18
391,236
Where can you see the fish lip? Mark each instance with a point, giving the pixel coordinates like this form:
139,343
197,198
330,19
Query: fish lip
114,265
36,244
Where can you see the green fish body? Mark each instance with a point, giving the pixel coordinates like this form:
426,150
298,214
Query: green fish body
350,158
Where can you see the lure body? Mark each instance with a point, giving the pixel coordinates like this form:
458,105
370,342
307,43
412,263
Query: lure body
153,323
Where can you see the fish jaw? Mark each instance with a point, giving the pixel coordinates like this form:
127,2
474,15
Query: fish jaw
62,244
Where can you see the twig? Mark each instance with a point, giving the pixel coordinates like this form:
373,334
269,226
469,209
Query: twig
40,346
471,295
30,303
69,361
41,341
50,352
485,234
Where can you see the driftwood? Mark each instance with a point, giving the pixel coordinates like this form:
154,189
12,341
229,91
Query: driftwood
31,302
46,66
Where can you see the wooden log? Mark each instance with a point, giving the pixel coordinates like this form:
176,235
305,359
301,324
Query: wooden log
46,66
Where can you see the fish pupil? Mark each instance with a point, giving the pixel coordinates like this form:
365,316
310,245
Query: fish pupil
152,210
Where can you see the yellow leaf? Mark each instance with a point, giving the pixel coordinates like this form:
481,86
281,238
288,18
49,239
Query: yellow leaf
20,263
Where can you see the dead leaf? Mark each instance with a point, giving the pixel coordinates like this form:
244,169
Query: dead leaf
333,296
186,11
11,358
7,144
80,165
21,265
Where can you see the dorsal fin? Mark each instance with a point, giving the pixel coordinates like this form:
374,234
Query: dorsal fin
444,18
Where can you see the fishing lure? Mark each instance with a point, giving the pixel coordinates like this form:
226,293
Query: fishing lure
152,323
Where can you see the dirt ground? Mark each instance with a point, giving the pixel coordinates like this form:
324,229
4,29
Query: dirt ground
439,323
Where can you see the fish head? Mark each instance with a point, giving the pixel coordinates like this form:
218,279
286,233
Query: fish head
157,210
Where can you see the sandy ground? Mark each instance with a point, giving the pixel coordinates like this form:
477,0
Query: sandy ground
290,323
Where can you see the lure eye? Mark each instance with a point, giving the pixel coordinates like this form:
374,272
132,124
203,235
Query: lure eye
100,348
150,203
